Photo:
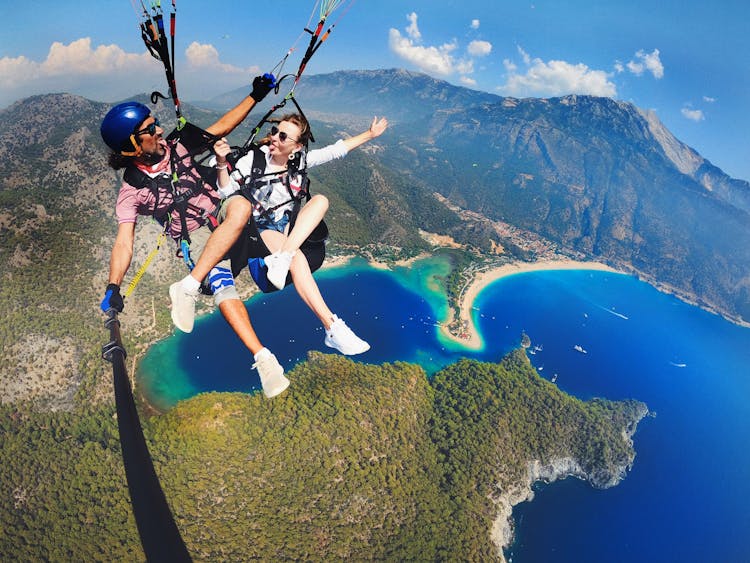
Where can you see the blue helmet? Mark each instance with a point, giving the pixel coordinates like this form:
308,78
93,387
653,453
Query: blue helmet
119,127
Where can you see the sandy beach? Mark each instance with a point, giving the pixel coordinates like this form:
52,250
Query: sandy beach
470,337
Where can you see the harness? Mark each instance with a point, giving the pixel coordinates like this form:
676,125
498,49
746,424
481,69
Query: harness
161,47
249,250
250,185
180,199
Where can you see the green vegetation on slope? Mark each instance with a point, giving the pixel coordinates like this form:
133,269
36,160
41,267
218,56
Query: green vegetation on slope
492,420
354,461
365,462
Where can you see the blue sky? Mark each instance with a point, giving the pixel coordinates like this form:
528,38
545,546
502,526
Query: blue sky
687,60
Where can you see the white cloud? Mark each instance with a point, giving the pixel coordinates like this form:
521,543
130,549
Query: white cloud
709,99
466,81
78,58
524,55
647,61
465,66
635,68
555,78
436,60
654,64
205,75
693,114
479,48
207,57
80,69
619,68
16,71
474,24
510,66
108,72
413,29
440,60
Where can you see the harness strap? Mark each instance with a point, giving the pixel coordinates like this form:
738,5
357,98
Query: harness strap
250,183
144,266
180,203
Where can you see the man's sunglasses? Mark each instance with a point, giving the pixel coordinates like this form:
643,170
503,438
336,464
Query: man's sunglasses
151,129
282,135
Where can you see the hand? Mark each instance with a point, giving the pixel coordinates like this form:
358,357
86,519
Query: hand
378,126
112,299
262,85
221,150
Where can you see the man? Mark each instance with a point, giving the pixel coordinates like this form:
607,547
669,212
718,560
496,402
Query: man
150,163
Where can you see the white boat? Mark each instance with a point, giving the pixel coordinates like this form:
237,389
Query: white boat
579,348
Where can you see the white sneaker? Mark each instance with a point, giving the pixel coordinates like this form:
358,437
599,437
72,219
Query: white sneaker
278,265
183,306
342,338
271,373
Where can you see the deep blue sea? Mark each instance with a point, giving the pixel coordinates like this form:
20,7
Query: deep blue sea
686,498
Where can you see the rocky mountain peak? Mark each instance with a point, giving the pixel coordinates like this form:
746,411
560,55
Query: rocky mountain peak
684,158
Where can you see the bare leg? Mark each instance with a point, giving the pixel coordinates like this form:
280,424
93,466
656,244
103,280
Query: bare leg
338,334
225,235
184,292
307,219
270,371
235,313
304,283
308,290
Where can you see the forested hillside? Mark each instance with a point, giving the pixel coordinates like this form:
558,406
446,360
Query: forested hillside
55,216
354,462
589,174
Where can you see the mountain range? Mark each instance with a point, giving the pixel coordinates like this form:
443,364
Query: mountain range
596,176
600,179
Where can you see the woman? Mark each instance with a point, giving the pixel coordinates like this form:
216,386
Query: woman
274,207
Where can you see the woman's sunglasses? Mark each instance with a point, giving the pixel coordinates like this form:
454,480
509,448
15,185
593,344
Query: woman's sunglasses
282,135
151,128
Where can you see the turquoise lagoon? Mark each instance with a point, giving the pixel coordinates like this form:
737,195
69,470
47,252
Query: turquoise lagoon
686,496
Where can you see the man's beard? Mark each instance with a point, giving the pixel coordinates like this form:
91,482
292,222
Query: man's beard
152,158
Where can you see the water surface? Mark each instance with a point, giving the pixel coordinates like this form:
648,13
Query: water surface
686,496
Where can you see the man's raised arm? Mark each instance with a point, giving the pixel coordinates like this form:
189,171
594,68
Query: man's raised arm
262,85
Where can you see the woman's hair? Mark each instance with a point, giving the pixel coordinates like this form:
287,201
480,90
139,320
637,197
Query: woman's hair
117,161
300,122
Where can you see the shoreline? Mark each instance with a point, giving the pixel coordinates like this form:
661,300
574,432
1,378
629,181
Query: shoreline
462,331
344,259
470,338
468,335
502,531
